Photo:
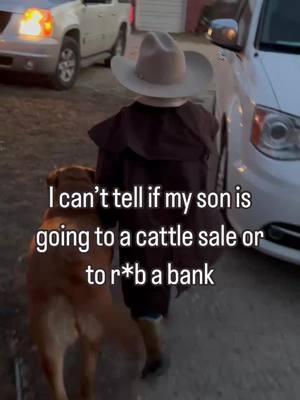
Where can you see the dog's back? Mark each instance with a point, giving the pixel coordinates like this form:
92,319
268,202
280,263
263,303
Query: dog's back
62,269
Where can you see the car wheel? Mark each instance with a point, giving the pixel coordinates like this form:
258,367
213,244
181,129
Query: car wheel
68,65
119,47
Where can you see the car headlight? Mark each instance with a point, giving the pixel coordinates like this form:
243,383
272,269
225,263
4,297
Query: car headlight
276,134
36,22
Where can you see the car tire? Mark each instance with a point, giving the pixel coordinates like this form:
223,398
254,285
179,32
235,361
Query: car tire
68,65
118,48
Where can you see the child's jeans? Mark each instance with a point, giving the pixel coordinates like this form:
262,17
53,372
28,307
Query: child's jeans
146,301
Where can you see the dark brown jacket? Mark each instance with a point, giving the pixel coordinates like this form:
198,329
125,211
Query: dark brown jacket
144,145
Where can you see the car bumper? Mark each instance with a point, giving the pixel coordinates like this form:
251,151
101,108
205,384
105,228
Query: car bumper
275,189
281,252
36,56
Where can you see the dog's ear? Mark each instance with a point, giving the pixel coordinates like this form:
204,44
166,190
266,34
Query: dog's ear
52,179
92,174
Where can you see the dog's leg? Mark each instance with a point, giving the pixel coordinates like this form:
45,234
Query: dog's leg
91,335
53,329
53,365
90,351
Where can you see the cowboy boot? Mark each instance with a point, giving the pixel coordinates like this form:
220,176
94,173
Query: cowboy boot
156,362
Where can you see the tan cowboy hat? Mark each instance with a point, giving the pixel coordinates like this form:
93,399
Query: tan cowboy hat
163,70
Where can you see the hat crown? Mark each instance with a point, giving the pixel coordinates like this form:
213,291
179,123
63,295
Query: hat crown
161,61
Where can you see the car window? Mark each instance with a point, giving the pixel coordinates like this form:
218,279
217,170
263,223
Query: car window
280,26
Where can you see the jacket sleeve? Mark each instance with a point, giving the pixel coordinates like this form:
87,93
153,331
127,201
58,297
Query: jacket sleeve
108,176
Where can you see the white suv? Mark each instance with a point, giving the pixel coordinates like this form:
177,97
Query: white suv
258,106
57,37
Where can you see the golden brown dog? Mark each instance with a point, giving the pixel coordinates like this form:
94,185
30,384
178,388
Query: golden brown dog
63,307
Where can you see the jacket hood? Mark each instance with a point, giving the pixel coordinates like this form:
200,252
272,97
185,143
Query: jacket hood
182,133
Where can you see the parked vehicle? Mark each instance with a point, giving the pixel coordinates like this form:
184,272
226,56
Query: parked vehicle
257,104
57,37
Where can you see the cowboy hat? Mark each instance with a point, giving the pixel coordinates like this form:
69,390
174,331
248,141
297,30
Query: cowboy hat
163,70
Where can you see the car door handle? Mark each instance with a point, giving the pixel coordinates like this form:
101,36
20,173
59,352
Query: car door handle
114,13
100,15
221,55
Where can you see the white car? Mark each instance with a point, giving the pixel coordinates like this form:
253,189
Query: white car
258,106
57,37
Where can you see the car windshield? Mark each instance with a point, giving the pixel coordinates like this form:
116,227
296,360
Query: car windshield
280,26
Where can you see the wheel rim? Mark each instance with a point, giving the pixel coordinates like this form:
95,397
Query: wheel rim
221,175
67,65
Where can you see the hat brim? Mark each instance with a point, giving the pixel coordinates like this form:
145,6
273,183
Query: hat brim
198,78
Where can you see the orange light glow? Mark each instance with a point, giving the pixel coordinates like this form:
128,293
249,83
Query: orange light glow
257,126
37,22
231,34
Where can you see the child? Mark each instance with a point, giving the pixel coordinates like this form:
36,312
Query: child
160,139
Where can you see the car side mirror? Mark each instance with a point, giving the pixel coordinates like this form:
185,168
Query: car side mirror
225,33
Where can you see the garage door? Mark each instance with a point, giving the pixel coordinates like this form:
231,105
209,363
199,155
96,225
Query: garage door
161,15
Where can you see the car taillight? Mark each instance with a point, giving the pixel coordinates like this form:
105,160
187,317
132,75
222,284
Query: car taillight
132,14
37,22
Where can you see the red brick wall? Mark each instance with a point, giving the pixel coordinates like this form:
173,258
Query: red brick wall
194,11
